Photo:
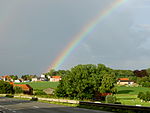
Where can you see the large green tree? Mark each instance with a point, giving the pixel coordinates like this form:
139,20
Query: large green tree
85,81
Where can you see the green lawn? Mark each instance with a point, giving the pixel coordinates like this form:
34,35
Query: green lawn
127,99
128,95
41,85
131,90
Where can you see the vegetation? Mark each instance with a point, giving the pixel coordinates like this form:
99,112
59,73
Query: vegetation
53,72
17,90
41,85
6,88
131,90
144,81
144,96
85,81
14,77
110,99
28,77
40,93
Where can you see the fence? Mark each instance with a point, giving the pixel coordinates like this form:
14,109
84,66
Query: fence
116,106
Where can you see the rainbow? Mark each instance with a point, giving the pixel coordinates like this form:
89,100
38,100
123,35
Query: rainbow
86,30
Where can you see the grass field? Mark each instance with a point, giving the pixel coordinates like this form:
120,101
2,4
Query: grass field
128,95
127,99
41,85
131,90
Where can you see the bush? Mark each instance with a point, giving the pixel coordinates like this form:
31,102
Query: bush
144,96
34,99
40,93
9,96
18,90
140,95
110,99
6,88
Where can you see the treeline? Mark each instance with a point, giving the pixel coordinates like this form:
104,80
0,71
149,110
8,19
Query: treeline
89,81
118,73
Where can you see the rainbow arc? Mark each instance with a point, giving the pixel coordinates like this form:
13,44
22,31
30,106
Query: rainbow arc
85,31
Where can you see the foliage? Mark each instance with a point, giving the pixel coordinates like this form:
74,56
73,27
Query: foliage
14,77
124,73
148,71
141,73
144,81
110,99
6,88
53,72
18,90
40,93
28,77
144,96
84,81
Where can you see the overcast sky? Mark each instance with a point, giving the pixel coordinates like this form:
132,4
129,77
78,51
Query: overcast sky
34,32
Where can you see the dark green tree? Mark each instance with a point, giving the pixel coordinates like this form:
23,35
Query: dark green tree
14,77
6,88
18,90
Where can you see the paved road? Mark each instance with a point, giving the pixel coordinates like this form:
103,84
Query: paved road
10,105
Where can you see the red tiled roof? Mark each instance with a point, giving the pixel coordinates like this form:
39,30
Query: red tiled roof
123,79
56,76
23,86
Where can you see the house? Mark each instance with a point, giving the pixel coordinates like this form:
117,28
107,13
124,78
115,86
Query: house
124,81
27,89
6,78
42,76
17,81
55,78
34,79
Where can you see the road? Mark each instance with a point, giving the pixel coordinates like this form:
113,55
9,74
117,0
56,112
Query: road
11,105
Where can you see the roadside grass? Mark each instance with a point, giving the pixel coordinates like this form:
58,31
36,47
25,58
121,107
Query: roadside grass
41,85
59,103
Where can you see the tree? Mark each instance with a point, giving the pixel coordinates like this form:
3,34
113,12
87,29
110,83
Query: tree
18,90
124,73
148,71
84,81
28,77
144,81
14,77
6,88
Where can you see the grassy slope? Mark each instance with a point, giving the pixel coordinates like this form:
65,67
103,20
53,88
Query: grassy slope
128,95
131,90
41,85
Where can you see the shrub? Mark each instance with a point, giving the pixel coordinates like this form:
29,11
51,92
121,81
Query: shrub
18,90
9,96
140,95
34,99
144,96
40,93
110,99
6,88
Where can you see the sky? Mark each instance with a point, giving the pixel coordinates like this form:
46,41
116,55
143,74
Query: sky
34,32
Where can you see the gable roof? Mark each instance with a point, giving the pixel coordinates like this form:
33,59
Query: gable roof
23,86
123,79
56,77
